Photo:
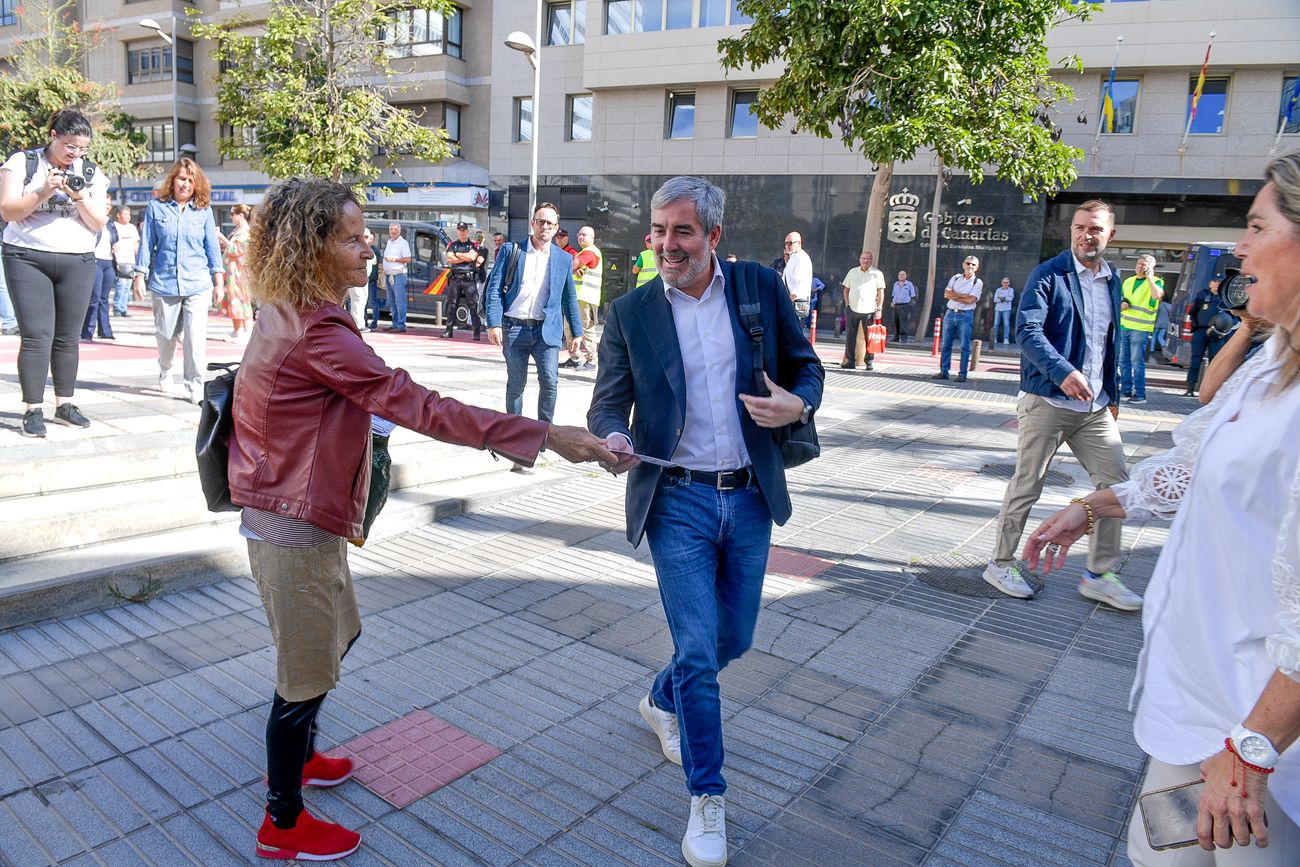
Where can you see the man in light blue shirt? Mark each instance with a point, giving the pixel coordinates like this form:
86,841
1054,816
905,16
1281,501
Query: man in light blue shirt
900,299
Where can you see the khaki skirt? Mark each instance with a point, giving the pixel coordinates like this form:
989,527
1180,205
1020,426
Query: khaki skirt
312,612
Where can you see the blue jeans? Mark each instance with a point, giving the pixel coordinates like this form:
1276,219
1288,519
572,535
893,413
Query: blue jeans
1133,362
710,553
1002,325
519,343
101,300
7,318
121,295
397,299
956,323
375,304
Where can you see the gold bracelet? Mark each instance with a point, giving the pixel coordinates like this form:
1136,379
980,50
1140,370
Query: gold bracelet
1092,516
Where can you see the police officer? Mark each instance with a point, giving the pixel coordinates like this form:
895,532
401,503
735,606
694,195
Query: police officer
1203,308
464,258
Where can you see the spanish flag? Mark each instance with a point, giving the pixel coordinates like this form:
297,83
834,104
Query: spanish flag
1200,82
439,283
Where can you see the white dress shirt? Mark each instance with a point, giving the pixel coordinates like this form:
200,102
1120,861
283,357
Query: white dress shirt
798,276
1097,317
534,291
396,248
711,437
1215,626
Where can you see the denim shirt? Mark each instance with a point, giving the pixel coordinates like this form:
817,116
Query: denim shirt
178,249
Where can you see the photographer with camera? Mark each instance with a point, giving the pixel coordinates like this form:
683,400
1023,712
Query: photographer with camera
55,202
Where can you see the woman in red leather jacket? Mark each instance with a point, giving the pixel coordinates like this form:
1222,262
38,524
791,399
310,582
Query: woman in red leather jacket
300,468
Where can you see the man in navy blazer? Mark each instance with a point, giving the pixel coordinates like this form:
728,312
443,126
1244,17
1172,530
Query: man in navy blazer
524,317
675,385
1066,327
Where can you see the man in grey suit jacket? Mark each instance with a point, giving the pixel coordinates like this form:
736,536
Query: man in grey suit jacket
524,310
676,364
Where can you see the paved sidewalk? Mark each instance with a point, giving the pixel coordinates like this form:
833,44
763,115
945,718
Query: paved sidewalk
879,719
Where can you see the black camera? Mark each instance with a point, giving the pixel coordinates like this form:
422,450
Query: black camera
1233,289
75,183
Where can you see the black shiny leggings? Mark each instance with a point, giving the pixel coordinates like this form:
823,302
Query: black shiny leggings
290,740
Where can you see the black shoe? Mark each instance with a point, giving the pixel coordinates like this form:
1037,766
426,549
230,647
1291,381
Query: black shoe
448,332
961,377
33,423
844,365
940,376
870,366
477,336
67,413
522,470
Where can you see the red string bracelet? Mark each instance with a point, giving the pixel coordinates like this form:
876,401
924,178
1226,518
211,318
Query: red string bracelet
1227,743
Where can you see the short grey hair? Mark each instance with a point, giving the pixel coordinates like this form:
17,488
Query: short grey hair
1149,259
709,201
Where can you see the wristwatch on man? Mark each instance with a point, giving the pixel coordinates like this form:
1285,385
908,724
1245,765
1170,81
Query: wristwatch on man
1254,747
806,415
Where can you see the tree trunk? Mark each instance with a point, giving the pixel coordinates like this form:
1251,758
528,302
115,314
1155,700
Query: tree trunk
881,184
928,301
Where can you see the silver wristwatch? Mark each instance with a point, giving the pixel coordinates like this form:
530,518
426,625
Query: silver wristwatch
806,415
1254,747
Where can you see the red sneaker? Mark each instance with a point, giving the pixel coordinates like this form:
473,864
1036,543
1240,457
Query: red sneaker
309,840
324,771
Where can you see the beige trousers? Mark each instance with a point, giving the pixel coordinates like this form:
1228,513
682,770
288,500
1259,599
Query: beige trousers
588,312
1094,439
1284,837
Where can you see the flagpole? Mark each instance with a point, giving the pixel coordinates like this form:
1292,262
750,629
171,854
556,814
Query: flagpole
1286,116
1108,87
1196,96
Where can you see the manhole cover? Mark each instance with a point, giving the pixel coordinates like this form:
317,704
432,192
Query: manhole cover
1055,478
956,573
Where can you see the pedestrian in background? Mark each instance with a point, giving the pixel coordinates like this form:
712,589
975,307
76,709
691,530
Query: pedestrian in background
864,293
180,255
962,293
397,255
300,463
1066,327
53,224
798,274
124,250
588,279
644,268
235,301
1204,307
374,273
104,283
1142,294
1004,300
901,298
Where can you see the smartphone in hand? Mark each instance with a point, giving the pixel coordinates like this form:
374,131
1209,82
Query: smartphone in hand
1169,815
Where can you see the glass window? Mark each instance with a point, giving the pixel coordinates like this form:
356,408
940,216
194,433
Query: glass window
8,13
744,123
649,16
579,21
423,32
158,139
451,122
524,118
618,17
1212,106
155,63
681,115
680,14
738,17
1289,94
559,23
713,12
580,108
1123,107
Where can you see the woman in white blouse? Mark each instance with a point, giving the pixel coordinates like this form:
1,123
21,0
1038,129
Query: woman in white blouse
1220,668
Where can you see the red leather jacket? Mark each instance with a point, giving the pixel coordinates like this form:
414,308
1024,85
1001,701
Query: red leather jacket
303,398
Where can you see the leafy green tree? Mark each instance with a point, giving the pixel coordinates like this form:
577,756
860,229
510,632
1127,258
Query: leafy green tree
309,93
46,76
970,81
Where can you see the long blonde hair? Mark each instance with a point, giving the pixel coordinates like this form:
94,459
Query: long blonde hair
1284,173
286,250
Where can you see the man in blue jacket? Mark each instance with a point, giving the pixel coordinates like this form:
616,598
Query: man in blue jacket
524,310
1066,328
676,385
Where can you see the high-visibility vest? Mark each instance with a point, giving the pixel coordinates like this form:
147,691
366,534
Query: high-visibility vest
589,283
647,268
1142,305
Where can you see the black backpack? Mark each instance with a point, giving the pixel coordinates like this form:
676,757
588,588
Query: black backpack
88,168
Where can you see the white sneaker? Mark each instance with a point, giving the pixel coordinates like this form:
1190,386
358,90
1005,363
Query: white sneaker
1110,590
165,383
1008,580
705,843
663,724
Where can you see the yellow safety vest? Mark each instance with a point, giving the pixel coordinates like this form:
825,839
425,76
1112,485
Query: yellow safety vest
589,283
1142,305
648,269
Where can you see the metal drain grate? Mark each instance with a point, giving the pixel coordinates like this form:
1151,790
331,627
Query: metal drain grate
1055,478
957,573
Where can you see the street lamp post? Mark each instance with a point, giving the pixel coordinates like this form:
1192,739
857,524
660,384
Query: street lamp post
522,42
150,24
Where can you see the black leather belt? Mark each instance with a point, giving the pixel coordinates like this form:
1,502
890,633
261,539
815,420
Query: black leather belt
525,321
723,480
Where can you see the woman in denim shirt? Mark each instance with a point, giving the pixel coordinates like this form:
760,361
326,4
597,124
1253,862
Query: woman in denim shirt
182,260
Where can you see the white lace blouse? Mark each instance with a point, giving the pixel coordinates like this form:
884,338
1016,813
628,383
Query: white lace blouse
1222,610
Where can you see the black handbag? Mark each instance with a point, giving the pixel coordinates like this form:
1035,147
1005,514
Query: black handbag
798,442
212,447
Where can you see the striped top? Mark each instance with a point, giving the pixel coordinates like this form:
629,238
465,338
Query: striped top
281,530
